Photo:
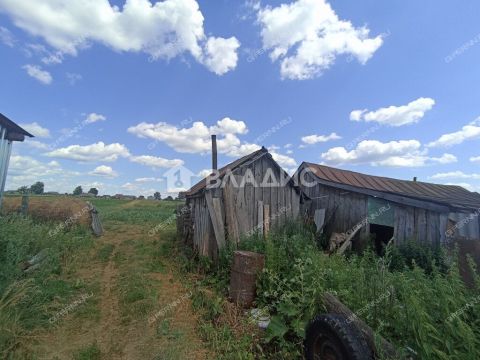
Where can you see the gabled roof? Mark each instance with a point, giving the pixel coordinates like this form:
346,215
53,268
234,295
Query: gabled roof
222,171
13,128
235,164
446,195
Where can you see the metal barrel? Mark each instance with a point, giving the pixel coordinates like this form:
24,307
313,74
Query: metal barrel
243,277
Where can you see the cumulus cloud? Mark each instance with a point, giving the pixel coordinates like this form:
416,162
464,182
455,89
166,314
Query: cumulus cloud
306,36
196,139
156,162
73,78
396,115
162,30
470,131
221,54
455,175
94,117
283,160
403,153
38,73
105,171
475,159
36,130
314,139
148,180
90,153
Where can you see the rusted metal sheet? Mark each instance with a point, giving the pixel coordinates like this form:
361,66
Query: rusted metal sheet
449,195
243,277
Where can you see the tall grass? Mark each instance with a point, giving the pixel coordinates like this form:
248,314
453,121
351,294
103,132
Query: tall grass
425,311
27,300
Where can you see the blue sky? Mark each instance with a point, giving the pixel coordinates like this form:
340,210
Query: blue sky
119,93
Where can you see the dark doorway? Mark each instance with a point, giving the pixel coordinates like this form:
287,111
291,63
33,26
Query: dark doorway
381,236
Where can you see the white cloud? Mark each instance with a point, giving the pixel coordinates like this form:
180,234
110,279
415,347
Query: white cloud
475,159
90,153
221,54
36,130
396,115
37,73
242,150
165,29
93,118
403,153
156,162
283,160
314,139
468,132
37,144
196,139
6,37
307,36
105,171
455,175
204,173
148,180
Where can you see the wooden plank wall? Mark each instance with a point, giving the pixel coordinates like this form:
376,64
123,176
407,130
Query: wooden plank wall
347,208
283,203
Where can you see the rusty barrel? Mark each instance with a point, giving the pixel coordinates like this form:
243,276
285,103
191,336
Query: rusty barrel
243,277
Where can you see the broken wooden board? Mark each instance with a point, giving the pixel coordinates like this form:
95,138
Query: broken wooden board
215,210
319,219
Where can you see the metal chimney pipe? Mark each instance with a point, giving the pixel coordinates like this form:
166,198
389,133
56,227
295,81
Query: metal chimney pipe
415,179
214,152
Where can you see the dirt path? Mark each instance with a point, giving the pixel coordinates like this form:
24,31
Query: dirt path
132,284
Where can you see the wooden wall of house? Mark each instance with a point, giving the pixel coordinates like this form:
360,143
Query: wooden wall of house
410,223
346,209
243,210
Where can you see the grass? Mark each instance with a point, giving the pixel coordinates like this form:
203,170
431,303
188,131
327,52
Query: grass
91,352
430,311
50,288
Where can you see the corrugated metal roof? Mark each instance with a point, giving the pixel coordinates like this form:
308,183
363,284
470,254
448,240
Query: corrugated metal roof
449,195
12,127
222,171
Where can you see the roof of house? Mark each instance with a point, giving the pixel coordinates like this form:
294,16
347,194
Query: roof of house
12,127
222,171
447,195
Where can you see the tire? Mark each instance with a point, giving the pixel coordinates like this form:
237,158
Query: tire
331,337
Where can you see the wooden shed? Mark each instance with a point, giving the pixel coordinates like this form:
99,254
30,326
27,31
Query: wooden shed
389,208
9,132
248,195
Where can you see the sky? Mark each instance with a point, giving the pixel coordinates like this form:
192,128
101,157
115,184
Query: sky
121,94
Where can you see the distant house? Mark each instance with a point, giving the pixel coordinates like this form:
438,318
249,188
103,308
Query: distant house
389,208
9,132
246,196
124,197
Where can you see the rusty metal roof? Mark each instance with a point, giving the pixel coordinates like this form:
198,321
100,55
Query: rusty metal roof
222,171
449,195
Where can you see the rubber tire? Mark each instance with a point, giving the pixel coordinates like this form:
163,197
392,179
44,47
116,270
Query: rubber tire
343,337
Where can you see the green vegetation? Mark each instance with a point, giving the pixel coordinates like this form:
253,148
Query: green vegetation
91,352
29,300
430,311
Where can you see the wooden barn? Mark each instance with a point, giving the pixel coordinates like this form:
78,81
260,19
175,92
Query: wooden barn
388,208
248,195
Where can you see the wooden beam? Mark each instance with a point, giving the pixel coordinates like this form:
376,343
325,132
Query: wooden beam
215,210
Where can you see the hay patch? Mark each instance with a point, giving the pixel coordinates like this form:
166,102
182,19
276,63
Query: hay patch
70,210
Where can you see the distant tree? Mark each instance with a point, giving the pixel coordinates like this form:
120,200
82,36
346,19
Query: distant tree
23,189
157,196
169,198
37,188
78,191
93,191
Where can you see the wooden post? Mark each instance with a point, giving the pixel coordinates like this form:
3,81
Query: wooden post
266,219
24,208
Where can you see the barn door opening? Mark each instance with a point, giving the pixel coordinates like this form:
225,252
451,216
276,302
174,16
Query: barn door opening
381,236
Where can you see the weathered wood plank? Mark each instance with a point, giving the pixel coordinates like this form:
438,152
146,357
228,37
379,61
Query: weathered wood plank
216,217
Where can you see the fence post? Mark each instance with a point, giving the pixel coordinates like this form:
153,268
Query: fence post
24,208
